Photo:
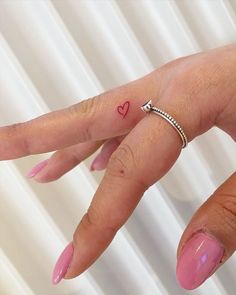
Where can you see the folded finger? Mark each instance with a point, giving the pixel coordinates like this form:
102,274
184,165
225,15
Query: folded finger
101,160
107,115
63,161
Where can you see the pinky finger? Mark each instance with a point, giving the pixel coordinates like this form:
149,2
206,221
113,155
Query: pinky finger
63,161
101,160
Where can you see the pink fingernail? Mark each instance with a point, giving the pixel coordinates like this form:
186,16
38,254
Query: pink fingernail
37,169
199,257
62,264
97,164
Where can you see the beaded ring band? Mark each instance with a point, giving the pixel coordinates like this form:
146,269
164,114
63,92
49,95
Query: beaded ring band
148,107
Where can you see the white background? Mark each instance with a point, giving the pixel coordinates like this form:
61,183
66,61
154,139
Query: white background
56,53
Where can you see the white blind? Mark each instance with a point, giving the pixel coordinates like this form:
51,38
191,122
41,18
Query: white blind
56,53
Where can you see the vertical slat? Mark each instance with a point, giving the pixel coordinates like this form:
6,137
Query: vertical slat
38,238
11,281
209,18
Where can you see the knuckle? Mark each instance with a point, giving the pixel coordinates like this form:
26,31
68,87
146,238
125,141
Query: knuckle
76,157
93,219
17,130
122,162
88,221
14,128
202,76
227,211
85,107
202,79
85,134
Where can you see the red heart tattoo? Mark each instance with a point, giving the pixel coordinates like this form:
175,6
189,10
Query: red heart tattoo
123,109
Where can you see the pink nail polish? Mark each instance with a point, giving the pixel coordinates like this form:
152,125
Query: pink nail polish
37,168
62,264
97,164
199,257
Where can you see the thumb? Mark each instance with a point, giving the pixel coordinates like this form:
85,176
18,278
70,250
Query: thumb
210,238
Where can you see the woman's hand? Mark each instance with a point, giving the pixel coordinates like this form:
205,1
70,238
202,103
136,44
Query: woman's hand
199,91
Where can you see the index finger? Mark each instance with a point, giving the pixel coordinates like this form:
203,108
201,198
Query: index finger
109,114
144,156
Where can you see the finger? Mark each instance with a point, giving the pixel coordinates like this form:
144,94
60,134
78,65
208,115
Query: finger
63,161
101,160
210,238
109,114
142,158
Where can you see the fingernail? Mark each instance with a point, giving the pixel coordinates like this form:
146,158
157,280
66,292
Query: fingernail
97,164
34,171
199,257
62,264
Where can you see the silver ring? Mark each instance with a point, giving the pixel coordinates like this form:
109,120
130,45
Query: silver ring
148,107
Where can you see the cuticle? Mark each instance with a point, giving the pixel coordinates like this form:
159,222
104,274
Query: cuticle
206,231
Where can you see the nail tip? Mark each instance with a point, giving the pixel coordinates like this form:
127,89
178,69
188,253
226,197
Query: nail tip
37,168
185,286
91,169
96,164
57,275
62,264
56,281
28,175
96,168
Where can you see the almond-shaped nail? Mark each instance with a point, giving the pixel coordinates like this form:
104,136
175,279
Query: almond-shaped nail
63,264
199,257
36,169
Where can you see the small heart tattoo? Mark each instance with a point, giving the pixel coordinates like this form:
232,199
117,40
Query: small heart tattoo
123,109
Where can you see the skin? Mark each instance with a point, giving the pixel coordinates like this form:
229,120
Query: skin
197,90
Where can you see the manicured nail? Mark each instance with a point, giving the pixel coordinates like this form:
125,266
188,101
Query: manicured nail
97,164
199,257
37,169
62,264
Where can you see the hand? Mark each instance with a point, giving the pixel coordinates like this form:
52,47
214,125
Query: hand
199,92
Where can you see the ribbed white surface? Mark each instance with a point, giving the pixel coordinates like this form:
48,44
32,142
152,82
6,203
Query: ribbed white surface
55,53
